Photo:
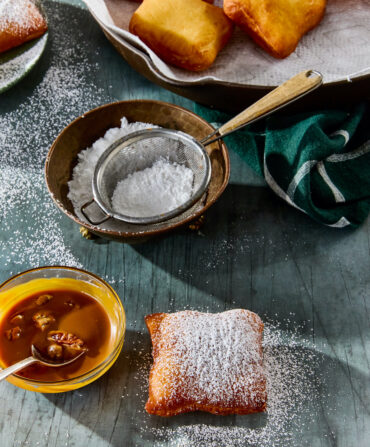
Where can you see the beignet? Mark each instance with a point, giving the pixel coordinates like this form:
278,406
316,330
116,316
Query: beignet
20,21
207,362
276,25
185,33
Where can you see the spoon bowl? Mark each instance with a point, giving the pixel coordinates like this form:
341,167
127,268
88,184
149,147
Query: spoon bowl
40,358
36,357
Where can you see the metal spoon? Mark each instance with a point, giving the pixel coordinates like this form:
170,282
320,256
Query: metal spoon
35,357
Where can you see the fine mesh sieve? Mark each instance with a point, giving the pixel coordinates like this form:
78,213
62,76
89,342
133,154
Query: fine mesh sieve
140,150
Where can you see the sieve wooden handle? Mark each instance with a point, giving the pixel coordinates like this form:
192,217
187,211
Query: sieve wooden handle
292,89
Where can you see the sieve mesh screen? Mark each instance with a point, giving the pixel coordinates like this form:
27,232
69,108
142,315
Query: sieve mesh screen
140,151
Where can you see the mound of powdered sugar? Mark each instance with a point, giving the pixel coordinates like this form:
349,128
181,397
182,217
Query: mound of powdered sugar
80,189
155,190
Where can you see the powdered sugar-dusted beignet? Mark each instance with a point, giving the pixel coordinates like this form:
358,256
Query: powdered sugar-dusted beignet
276,25
20,21
207,362
185,33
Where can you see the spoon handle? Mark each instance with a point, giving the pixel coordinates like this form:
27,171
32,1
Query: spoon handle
16,367
289,91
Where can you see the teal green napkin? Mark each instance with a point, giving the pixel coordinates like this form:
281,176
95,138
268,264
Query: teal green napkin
317,162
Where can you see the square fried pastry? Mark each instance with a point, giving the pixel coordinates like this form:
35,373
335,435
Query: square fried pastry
207,362
185,33
20,21
276,25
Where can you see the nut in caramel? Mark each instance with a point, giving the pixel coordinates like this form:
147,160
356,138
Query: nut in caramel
60,323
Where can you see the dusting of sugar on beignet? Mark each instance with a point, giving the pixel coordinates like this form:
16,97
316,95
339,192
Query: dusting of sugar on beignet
185,33
207,362
20,22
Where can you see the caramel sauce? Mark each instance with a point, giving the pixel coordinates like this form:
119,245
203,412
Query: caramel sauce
34,319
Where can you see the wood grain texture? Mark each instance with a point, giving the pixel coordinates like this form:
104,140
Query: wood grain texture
254,251
287,92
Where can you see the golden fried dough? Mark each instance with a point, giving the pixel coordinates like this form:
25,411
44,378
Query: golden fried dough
207,362
276,25
186,33
20,21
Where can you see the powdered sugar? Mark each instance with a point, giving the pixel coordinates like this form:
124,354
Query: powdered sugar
80,189
159,185
41,240
155,190
216,359
15,68
291,364
19,14
30,222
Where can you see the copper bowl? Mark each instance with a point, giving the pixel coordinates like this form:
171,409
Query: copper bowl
86,129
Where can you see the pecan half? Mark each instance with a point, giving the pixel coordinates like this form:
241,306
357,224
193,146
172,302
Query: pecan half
55,351
13,333
43,299
43,319
17,319
67,339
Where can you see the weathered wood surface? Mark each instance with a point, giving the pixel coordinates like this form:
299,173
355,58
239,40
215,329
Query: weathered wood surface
253,251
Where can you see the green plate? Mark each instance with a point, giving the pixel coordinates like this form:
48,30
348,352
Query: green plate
16,63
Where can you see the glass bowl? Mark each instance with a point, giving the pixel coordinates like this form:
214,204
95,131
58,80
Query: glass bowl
66,278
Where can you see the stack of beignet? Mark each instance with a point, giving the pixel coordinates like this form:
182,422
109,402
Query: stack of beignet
190,33
20,22
207,362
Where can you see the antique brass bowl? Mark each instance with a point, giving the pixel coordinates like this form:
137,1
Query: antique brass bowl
86,129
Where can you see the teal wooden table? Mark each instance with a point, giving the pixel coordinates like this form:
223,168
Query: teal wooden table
253,251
